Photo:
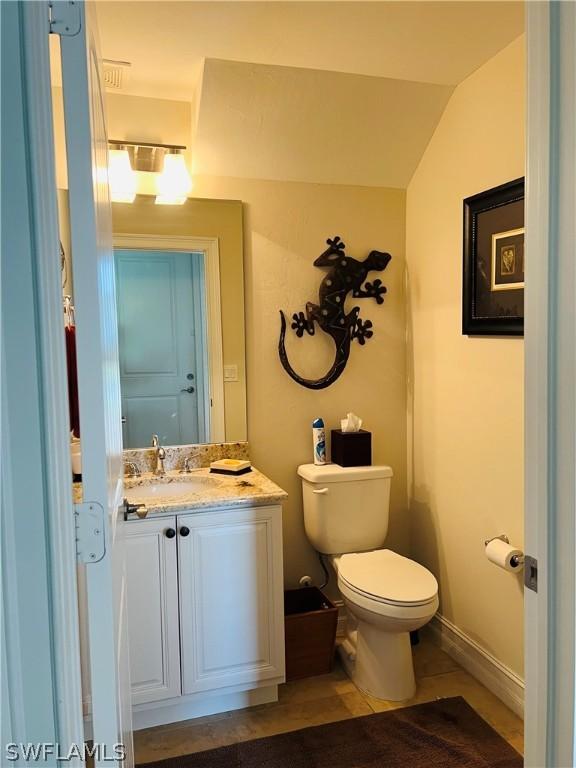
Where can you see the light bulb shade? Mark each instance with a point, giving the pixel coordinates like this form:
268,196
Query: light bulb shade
174,182
122,179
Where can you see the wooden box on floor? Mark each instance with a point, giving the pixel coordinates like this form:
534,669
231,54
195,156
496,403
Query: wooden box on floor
310,632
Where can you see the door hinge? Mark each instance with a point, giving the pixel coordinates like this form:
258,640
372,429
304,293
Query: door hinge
64,18
531,573
90,542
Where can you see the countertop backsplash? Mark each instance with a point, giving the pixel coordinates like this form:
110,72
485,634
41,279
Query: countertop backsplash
200,455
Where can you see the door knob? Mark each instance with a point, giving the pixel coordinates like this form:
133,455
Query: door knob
169,533
190,376
188,389
184,531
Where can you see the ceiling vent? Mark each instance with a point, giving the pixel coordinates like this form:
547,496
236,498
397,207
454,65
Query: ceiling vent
115,73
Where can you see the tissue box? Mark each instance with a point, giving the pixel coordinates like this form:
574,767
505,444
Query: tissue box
351,449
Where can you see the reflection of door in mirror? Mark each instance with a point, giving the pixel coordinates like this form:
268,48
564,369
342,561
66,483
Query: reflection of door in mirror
162,342
212,229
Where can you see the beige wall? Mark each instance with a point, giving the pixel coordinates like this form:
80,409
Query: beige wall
206,218
286,226
133,118
64,226
466,394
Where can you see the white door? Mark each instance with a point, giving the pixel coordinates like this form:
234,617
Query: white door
152,574
231,598
158,337
98,379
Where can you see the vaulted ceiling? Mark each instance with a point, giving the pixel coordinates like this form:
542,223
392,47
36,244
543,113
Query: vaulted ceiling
294,124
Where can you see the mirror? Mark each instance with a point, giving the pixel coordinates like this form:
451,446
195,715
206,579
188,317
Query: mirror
180,295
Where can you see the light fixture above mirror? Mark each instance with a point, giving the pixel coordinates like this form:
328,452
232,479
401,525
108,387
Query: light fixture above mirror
172,180
122,179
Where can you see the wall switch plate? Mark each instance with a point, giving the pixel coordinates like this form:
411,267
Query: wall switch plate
230,373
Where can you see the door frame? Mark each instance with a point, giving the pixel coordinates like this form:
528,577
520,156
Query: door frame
39,583
550,384
214,357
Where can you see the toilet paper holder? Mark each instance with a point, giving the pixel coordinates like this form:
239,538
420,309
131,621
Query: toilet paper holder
517,559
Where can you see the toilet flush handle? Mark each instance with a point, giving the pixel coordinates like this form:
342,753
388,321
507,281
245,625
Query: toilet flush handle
320,490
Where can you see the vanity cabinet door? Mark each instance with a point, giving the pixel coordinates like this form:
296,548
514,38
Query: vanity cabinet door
152,592
231,598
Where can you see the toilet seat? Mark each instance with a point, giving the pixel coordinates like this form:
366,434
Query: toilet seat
385,577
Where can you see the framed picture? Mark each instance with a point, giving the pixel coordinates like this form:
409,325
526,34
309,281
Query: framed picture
493,288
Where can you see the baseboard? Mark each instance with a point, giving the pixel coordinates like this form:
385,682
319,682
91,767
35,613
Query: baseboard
498,678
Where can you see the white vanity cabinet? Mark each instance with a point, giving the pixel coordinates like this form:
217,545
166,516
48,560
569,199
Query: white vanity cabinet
152,590
205,610
231,598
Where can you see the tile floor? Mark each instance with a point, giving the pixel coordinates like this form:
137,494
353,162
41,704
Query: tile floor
325,699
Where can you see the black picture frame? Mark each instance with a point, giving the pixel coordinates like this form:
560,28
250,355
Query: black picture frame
493,264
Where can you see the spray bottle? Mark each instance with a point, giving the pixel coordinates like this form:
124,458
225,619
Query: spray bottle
319,441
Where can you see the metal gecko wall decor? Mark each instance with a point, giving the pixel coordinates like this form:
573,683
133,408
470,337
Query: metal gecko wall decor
346,275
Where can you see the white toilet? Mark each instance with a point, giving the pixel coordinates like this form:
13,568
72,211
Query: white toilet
346,517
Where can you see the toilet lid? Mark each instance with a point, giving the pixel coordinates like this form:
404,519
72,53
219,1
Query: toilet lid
384,575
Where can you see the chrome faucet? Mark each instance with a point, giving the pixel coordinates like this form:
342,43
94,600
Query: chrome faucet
186,468
133,469
160,456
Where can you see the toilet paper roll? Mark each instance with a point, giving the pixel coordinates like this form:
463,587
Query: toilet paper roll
504,555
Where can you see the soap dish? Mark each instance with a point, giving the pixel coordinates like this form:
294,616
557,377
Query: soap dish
230,466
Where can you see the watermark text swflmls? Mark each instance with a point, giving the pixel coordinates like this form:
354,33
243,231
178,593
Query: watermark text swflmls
44,751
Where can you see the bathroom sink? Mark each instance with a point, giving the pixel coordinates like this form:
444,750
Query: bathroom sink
169,490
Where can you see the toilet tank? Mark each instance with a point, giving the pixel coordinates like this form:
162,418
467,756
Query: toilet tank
345,508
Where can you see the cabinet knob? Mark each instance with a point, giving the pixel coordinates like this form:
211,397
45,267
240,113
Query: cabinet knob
184,531
169,533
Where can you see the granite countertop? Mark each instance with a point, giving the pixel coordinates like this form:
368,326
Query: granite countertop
213,490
